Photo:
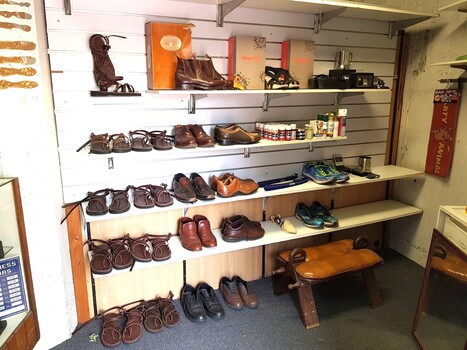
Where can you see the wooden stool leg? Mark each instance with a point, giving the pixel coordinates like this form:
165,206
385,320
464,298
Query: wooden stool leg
307,306
372,288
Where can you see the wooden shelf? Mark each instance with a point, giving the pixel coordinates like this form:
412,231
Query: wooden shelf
388,172
349,217
460,6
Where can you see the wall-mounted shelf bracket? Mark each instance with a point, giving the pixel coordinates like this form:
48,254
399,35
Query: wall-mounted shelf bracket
246,152
192,102
394,27
339,95
321,18
311,146
67,7
265,200
110,162
268,97
224,9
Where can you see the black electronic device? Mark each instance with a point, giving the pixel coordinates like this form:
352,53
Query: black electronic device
339,162
361,80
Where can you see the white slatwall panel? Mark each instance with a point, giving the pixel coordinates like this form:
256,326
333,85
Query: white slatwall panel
78,114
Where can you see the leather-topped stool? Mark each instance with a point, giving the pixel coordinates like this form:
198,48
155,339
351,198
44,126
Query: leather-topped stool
304,267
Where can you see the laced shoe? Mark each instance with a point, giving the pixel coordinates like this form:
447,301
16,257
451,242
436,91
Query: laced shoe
318,174
330,170
325,214
307,216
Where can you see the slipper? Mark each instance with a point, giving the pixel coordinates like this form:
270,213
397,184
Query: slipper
120,143
152,316
170,315
142,197
120,203
101,256
140,141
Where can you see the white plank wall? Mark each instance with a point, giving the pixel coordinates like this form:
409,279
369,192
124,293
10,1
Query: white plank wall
78,114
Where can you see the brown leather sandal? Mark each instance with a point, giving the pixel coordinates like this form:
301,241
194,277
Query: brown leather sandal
120,143
120,202
121,253
142,197
160,247
162,197
170,315
111,334
141,249
100,144
134,325
101,256
97,204
160,140
152,316
104,71
140,141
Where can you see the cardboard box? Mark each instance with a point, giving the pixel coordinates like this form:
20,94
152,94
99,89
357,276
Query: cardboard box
164,42
247,59
297,57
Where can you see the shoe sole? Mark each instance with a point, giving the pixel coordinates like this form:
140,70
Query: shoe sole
221,142
321,182
307,225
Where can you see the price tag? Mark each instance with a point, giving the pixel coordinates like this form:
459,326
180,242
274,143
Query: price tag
12,292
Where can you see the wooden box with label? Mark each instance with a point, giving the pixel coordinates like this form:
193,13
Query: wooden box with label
164,42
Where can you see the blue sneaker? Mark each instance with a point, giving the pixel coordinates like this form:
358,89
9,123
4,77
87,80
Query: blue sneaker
307,217
324,214
318,174
330,170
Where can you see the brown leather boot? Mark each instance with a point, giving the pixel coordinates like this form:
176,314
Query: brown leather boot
190,76
211,72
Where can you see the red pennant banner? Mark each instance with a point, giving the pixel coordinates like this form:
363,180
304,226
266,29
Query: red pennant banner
443,132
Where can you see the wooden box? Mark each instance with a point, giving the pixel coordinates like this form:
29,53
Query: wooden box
164,42
297,57
247,59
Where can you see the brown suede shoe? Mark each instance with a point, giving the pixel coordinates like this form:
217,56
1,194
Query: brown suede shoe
183,137
188,234
202,139
208,239
233,186
249,299
241,230
234,134
229,291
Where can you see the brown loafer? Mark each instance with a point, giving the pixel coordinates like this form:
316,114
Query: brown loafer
242,230
229,291
234,134
202,190
203,225
202,139
183,137
249,299
233,186
182,188
188,234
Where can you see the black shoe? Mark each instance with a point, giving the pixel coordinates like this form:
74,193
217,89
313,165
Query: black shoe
192,306
207,296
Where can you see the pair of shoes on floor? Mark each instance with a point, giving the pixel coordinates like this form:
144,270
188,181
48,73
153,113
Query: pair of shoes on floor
229,185
200,302
189,190
196,233
238,228
192,136
154,315
315,216
233,134
285,224
323,173
236,293
279,79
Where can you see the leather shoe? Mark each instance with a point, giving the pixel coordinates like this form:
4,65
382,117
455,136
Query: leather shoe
202,139
183,137
233,186
192,307
241,230
215,180
208,239
249,299
182,188
231,219
229,291
208,298
234,134
188,234
202,190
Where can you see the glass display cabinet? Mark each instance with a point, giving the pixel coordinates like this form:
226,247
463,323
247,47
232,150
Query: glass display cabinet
19,328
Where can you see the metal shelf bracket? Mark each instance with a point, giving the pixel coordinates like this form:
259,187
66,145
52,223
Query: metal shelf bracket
224,9
339,95
268,97
246,152
394,27
311,147
67,7
192,102
321,18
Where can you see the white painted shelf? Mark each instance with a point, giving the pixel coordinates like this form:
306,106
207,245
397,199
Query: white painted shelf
388,172
460,6
349,217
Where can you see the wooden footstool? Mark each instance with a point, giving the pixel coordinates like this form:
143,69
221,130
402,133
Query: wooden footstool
304,267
